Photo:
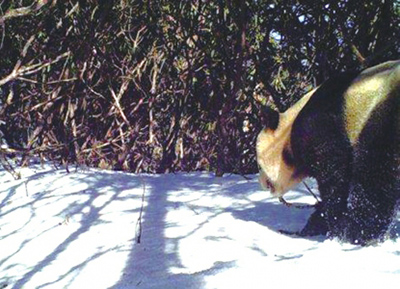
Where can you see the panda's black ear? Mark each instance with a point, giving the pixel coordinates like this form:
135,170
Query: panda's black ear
269,118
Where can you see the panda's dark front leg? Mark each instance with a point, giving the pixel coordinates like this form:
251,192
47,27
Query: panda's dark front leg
316,224
330,164
329,217
323,150
335,209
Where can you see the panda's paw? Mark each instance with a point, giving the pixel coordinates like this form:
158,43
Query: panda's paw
290,233
312,228
305,232
316,225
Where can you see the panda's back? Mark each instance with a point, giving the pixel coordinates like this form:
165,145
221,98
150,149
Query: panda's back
372,98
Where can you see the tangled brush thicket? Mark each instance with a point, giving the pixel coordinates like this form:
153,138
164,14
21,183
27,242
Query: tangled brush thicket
159,86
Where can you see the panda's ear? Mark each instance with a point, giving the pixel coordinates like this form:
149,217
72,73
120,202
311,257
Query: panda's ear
269,118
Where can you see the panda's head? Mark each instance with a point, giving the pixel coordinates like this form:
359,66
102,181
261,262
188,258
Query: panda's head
278,171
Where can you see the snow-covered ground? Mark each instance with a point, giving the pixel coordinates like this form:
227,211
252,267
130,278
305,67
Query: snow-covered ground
80,230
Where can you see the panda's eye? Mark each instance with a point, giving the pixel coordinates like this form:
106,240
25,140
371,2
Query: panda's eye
288,157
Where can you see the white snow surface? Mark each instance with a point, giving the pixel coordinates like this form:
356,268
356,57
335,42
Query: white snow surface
80,230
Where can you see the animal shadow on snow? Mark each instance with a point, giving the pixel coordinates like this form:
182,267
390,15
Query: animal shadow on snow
278,217
271,213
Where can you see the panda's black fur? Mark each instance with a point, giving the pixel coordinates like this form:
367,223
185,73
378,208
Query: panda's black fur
359,181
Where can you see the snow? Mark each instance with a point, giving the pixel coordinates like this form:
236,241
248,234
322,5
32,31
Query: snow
81,229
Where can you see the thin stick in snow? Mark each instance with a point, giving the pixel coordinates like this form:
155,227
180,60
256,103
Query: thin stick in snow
138,230
311,192
283,201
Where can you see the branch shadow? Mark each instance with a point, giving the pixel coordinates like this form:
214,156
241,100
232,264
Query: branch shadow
143,272
150,261
25,198
155,262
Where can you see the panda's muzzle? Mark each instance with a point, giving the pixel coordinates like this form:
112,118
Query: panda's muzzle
266,182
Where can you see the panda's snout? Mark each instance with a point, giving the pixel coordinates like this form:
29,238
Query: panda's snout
266,182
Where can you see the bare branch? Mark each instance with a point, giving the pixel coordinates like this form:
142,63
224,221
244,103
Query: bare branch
118,105
19,71
22,11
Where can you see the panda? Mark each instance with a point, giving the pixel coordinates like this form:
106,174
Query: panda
345,134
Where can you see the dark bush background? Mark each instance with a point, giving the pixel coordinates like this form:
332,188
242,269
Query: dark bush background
159,86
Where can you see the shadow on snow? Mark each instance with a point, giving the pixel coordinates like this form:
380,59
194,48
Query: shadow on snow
149,263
